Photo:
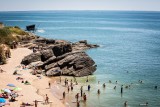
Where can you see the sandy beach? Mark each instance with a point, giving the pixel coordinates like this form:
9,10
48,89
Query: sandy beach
29,92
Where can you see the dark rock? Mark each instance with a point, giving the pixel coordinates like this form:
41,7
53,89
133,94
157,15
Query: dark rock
50,41
34,57
72,64
46,54
62,42
83,41
41,40
54,72
83,45
61,49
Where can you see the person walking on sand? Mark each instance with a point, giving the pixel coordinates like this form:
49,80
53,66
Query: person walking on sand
65,81
46,99
49,84
60,79
64,95
71,88
68,89
36,103
78,103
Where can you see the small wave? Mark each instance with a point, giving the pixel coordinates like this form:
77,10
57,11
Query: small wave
41,31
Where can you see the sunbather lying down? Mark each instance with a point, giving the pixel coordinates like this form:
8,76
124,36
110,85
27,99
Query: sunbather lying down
27,83
26,104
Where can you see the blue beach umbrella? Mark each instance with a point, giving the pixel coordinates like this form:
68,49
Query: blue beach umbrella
11,85
2,100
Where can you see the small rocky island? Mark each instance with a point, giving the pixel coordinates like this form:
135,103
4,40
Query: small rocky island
59,57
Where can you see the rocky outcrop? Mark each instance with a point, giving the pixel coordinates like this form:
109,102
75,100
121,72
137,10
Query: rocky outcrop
54,72
59,57
72,64
34,57
83,45
61,49
46,54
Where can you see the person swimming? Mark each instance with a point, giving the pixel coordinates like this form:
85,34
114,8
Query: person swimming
146,104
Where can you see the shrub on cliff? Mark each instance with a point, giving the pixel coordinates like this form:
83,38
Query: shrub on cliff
10,34
6,36
2,56
17,30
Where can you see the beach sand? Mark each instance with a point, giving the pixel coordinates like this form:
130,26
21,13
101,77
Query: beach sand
29,92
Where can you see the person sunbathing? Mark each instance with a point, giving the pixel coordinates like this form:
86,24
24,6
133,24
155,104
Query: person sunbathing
26,104
19,78
27,83
4,95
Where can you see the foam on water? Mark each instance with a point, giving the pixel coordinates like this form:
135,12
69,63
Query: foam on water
40,30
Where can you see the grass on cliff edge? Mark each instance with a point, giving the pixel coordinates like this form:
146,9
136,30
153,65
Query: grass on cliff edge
7,34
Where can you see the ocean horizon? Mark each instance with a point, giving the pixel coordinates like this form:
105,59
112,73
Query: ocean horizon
129,50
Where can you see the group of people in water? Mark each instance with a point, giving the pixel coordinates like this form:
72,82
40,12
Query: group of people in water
69,86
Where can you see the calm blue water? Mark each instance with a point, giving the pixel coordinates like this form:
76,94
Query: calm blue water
130,41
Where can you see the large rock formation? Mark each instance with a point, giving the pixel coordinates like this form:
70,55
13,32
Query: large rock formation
34,57
61,57
71,64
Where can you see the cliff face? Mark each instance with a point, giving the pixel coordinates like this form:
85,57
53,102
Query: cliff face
9,37
4,53
59,57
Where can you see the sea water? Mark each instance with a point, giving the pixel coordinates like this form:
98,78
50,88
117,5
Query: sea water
129,50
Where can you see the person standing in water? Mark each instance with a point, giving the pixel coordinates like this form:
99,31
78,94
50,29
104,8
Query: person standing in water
98,92
104,85
77,96
87,79
81,91
125,104
121,89
114,87
84,97
89,87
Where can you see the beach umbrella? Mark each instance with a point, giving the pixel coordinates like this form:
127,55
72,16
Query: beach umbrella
7,90
11,85
2,100
17,89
